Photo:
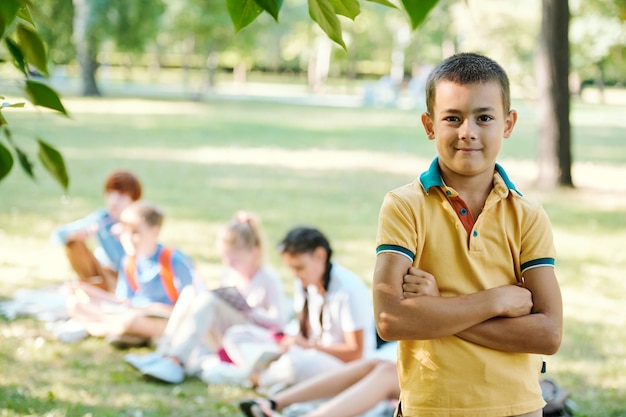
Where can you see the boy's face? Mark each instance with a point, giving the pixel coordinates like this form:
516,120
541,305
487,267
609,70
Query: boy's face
116,202
468,124
137,236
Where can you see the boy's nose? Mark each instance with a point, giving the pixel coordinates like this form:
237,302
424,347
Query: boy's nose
467,131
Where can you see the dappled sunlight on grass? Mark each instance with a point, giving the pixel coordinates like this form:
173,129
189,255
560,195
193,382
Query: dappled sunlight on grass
524,173
302,160
30,262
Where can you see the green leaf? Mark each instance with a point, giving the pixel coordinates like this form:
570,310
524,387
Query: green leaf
384,3
347,8
8,11
242,12
6,161
53,161
271,6
322,12
33,48
42,95
18,57
24,13
8,135
25,162
418,10
7,104
3,120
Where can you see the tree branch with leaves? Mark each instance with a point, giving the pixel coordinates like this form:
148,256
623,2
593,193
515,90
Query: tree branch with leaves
323,12
20,38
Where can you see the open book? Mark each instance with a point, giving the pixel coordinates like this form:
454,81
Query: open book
233,297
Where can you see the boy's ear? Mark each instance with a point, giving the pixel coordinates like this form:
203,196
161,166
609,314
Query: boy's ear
509,123
427,121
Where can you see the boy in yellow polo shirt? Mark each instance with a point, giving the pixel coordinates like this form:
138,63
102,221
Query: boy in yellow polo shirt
464,275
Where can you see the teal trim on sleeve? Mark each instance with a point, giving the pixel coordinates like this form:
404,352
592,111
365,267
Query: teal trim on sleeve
396,249
536,263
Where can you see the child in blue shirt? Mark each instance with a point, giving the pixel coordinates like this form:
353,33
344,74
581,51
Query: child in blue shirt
150,279
100,267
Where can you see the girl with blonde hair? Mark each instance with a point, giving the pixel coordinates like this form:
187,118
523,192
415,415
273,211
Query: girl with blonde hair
249,293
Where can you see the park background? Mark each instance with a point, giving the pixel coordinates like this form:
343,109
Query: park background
213,127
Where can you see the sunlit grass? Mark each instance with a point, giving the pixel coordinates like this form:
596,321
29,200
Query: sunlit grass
292,164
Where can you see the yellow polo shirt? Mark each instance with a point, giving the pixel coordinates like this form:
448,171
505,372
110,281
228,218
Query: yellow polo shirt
450,376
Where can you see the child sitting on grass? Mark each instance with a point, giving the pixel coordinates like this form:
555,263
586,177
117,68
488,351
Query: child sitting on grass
149,283
100,267
197,325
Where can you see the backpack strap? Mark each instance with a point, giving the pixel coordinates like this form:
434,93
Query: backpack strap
167,274
130,269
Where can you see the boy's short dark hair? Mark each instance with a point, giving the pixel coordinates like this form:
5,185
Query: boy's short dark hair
468,68
124,182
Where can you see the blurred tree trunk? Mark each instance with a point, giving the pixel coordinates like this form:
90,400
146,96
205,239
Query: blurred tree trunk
555,159
86,51
600,82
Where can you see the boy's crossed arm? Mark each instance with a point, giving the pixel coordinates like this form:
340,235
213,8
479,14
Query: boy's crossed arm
537,332
408,306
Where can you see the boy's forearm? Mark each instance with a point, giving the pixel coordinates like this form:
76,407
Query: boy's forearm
539,332
427,317
534,333
424,317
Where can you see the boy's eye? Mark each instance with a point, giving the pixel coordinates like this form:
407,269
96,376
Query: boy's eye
452,119
484,118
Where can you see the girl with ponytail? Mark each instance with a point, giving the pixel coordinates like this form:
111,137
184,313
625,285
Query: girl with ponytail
248,293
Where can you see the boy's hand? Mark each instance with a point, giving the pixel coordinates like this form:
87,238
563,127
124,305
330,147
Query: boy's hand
83,234
417,283
515,301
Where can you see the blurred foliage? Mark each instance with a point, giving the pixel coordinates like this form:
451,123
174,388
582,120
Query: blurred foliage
25,49
200,33
598,38
54,20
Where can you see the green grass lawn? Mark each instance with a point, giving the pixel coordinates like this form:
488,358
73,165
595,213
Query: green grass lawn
291,164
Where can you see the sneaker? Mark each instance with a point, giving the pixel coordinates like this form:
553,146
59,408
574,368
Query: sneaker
141,361
224,373
164,370
70,331
127,341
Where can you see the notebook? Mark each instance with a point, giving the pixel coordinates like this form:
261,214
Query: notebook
233,297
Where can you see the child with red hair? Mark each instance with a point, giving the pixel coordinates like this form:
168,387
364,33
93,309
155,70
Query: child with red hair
100,267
